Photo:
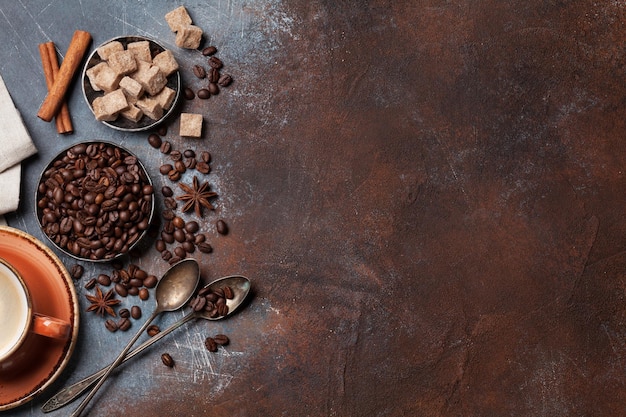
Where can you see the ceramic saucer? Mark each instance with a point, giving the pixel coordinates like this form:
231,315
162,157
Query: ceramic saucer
53,294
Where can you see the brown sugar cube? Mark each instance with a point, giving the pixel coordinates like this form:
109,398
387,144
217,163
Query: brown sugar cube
191,125
165,97
150,107
141,50
131,88
107,79
152,79
188,37
108,106
132,113
92,73
166,62
177,18
123,62
105,51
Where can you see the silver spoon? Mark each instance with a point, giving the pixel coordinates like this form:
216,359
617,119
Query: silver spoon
172,292
241,287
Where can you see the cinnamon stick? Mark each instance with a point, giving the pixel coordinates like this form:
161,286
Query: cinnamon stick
50,65
55,97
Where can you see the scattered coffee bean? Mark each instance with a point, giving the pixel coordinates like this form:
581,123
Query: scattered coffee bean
176,155
215,62
165,169
166,147
150,281
90,284
178,222
189,153
121,290
210,344
162,130
135,312
124,313
144,294
221,339
155,140
203,167
110,325
159,245
199,71
76,272
204,94
214,89
209,50
205,156
221,227
214,75
204,247
104,280
167,191
189,94
225,80
153,330
124,324
167,360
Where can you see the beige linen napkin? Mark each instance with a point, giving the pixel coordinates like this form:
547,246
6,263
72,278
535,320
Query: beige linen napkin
15,146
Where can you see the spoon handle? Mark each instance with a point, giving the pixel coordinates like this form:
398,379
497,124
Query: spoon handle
69,394
112,366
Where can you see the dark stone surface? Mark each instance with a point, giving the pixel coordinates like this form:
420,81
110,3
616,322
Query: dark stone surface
428,197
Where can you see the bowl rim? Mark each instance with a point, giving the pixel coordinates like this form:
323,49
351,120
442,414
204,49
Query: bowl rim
85,82
152,204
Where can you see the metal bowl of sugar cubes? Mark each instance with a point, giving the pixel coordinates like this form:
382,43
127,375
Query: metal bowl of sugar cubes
131,83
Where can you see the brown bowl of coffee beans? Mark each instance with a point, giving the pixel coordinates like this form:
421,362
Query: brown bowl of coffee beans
95,201
131,83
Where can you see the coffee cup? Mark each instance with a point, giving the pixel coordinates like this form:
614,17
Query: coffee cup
18,320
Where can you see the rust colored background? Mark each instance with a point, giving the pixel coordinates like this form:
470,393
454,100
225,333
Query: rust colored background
427,195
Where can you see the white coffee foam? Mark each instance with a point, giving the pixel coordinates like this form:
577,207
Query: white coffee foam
13,309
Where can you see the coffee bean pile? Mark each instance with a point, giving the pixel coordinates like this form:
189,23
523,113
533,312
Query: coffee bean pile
213,301
95,201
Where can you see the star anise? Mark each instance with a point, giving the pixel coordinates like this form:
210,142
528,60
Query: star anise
196,197
102,303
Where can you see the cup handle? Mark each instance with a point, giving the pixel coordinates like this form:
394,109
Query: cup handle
51,327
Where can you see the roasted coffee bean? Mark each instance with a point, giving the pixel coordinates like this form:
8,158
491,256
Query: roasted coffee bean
104,280
190,163
209,50
179,236
204,93
153,330
162,130
215,62
204,247
90,284
170,203
124,313
189,94
228,293
210,344
174,260
189,153
166,147
110,325
176,155
203,167
167,360
144,294
166,255
189,247
199,71
135,312
178,222
180,252
198,303
150,281
155,140
180,167
192,226
165,168
199,239
221,339
124,324
121,290
213,75
159,245
167,238
133,291
168,215
76,271
174,175
168,227
222,309
167,191
225,80
214,89
221,227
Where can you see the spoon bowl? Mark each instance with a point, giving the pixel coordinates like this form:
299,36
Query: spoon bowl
240,286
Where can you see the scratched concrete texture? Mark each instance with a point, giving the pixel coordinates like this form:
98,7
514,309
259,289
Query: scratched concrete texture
428,197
